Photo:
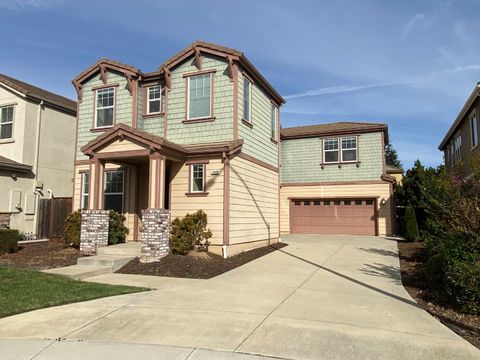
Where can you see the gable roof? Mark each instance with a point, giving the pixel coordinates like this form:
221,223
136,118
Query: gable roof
8,164
471,99
113,64
36,93
338,128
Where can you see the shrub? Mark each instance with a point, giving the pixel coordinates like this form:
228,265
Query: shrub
190,232
117,231
9,239
71,229
411,226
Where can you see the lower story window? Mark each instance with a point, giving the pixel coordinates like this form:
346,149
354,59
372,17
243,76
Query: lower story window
197,181
113,191
85,185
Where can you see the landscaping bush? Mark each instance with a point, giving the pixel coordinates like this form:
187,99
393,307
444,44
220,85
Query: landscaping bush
411,226
117,231
190,233
9,239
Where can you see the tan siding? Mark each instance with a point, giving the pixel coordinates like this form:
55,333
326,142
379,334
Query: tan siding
382,191
253,202
211,204
78,185
124,145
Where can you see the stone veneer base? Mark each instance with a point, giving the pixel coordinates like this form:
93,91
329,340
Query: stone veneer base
94,230
155,234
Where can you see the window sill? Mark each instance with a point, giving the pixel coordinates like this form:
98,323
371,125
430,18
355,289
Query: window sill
201,120
274,141
248,123
7,141
196,194
341,164
101,129
153,115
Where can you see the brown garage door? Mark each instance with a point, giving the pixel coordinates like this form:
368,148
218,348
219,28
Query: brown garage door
336,216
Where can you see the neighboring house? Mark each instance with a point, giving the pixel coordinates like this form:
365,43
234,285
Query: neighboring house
460,144
396,172
37,130
203,132
334,181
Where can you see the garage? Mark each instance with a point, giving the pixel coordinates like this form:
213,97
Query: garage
333,216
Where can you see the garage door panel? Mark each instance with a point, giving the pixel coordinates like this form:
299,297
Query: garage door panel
341,216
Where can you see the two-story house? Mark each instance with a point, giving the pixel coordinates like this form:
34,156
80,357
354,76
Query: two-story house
203,132
460,144
333,180
37,131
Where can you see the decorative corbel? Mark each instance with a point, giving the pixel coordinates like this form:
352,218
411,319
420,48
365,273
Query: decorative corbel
231,68
103,73
129,83
79,89
198,58
168,77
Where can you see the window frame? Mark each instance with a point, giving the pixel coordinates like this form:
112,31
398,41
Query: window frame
341,149
9,139
96,108
457,145
324,151
123,187
247,80
188,77
84,194
474,129
274,122
190,177
148,100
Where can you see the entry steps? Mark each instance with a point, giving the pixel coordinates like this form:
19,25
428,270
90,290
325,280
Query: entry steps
108,260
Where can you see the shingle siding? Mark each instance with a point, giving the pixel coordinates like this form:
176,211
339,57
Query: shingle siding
301,161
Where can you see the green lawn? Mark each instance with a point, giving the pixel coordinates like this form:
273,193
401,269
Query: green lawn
25,290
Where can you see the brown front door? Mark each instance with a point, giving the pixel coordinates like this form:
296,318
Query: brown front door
337,216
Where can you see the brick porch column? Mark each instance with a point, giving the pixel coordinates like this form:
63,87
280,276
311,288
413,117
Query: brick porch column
156,181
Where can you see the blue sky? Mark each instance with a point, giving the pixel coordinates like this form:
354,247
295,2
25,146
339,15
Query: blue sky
411,64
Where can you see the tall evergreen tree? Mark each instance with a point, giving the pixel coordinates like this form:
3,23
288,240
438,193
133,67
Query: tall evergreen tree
391,156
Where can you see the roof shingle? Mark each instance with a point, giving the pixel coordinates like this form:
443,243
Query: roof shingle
332,129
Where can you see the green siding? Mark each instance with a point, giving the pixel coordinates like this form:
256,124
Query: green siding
219,130
301,161
257,141
123,108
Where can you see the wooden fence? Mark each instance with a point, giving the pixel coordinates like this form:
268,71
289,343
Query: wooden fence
51,216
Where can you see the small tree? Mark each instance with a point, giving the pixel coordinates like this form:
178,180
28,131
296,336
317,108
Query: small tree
411,226
391,156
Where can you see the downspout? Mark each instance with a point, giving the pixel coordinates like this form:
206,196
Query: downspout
37,153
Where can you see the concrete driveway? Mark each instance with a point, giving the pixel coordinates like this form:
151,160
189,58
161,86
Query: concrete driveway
322,297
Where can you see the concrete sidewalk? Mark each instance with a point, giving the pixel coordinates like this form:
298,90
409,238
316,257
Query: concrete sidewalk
322,297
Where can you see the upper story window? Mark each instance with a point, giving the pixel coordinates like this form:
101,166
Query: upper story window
154,99
197,180
344,149
199,96
457,145
474,129
6,122
274,122
105,106
247,99
330,150
349,149
85,185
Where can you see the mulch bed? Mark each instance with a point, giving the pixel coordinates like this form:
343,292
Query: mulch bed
413,259
39,256
195,265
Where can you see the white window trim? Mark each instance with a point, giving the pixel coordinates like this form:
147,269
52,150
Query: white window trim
203,180
10,122
473,133
274,133
211,97
324,151
83,194
114,193
355,148
105,107
249,120
150,100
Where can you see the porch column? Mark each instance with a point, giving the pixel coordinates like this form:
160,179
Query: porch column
95,186
156,181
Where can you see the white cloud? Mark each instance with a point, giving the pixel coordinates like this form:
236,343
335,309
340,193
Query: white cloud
412,23
464,68
341,89
28,4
